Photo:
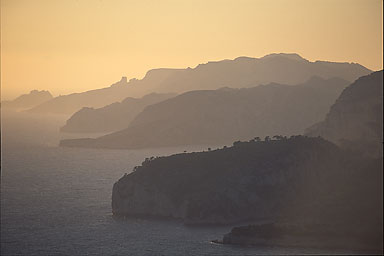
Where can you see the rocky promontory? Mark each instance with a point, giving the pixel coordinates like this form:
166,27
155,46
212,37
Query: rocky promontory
307,235
279,178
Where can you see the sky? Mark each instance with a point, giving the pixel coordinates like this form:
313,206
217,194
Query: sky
76,45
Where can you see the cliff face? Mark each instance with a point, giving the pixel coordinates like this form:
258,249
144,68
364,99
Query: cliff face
225,115
356,119
114,117
283,178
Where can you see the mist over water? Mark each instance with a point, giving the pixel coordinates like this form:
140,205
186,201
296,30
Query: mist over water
57,201
126,128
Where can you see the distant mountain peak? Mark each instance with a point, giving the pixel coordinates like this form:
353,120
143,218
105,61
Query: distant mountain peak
292,56
155,71
159,74
31,99
245,58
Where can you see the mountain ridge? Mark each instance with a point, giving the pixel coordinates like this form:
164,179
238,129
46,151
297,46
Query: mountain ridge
224,115
240,72
113,117
25,101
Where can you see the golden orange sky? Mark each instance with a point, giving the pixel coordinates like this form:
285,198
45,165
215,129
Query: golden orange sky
74,45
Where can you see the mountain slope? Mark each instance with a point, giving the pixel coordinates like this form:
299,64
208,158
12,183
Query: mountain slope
67,104
26,101
224,115
238,73
114,117
356,119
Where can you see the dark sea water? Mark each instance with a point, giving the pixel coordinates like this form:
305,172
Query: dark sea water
57,201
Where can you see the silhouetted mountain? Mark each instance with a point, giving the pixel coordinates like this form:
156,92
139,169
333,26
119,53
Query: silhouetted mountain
238,73
245,72
71,103
25,101
303,182
355,121
113,117
224,115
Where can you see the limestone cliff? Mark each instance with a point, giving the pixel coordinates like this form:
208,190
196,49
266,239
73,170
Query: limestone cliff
355,121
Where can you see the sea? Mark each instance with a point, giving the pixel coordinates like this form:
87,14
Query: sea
57,201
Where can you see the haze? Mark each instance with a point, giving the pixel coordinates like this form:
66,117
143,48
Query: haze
191,127
72,46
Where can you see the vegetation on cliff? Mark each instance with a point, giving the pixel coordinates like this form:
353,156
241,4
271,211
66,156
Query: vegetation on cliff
278,178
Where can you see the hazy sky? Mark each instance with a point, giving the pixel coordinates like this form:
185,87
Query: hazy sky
74,45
